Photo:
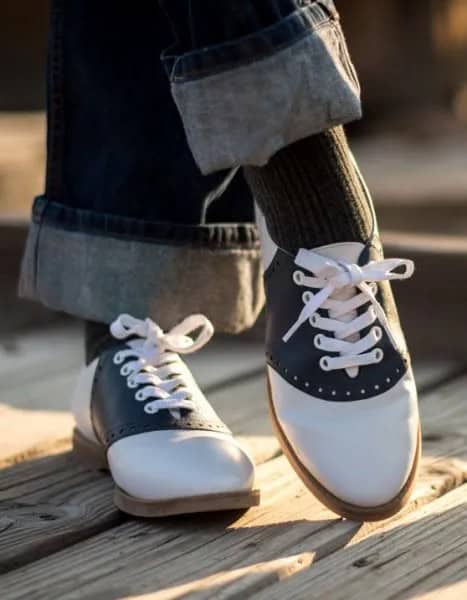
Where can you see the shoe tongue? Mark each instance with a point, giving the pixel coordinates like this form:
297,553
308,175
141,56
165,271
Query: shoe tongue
153,354
348,252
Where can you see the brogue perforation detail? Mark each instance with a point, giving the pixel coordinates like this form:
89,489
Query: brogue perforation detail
298,361
125,414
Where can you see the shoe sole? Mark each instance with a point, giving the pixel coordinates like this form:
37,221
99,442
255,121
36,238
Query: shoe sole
342,508
94,456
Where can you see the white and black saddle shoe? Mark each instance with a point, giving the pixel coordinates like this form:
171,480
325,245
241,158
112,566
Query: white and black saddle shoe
140,413
342,393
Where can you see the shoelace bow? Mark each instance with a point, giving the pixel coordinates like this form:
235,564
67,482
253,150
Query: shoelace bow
338,282
157,363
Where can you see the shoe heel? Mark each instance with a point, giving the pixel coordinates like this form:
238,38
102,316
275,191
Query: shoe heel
90,454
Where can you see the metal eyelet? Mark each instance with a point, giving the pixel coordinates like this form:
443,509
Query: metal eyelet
313,320
324,363
118,359
378,354
125,370
298,277
378,332
317,340
307,297
149,409
140,396
131,383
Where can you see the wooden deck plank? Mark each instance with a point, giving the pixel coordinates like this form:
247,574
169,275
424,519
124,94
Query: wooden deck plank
429,373
419,553
449,591
57,503
185,553
39,353
56,497
31,433
26,434
38,369
48,482
51,502
242,406
290,530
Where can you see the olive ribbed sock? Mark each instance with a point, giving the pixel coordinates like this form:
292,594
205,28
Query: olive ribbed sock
97,338
311,193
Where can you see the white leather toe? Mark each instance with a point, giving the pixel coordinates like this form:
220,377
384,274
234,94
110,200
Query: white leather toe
363,451
160,465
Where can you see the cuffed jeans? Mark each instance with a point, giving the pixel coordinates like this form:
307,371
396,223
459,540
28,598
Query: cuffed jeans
150,112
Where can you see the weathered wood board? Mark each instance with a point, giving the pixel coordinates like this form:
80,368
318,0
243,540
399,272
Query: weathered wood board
61,536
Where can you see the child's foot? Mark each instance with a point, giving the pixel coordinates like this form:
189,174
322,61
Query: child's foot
342,394
140,413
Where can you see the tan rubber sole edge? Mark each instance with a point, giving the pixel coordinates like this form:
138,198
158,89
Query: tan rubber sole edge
340,507
94,456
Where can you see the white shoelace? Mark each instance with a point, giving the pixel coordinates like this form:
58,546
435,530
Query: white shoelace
157,364
344,287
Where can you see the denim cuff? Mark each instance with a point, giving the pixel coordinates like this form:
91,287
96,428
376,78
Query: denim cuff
98,266
243,100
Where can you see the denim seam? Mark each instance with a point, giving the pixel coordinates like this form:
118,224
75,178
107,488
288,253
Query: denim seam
309,28
199,74
215,237
229,249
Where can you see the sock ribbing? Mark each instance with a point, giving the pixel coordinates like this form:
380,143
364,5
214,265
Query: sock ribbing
311,194
97,338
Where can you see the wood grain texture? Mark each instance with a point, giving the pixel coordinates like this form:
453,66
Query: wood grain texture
46,501
28,434
52,505
49,502
289,531
152,542
49,505
420,553
205,553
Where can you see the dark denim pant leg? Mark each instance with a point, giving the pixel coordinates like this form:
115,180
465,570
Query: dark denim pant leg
253,76
124,224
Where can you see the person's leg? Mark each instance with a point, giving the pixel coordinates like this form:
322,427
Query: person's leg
311,194
273,99
126,225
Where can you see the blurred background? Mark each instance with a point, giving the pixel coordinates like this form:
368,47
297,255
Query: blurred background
411,144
